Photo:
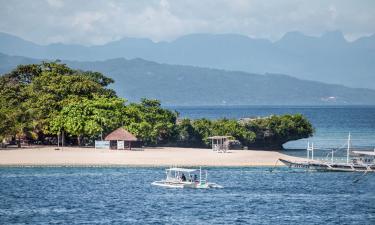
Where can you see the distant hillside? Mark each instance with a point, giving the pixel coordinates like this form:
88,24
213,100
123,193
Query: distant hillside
187,85
8,63
329,58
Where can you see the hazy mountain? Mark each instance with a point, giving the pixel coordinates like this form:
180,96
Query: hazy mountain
188,85
329,58
8,63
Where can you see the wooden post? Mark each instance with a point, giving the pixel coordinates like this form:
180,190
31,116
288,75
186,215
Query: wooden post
62,140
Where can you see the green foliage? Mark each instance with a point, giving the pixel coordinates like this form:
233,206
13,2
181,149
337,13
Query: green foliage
48,98
268,133
150,122
89,117
204,129
15,118
235,129
223,127
32,96
198,131
274,131
187,135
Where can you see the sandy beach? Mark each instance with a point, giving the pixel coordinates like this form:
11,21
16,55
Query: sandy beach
69,156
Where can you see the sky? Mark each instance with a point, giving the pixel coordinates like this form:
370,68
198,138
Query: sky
92,22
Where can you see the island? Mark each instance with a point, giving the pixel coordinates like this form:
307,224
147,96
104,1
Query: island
50,104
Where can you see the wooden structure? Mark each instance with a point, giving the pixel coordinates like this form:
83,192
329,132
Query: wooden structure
220,143
121,139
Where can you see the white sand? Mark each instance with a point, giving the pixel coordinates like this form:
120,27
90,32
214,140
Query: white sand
48,156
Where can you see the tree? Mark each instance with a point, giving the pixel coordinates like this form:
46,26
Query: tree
204,129
187,134
48,98
150,122
274,131
89,117
230,127
223,127
15,118
35,94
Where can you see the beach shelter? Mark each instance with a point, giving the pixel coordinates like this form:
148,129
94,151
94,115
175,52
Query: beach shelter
121,139
220,143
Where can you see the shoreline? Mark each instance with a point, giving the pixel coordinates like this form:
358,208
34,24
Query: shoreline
47,156
127,166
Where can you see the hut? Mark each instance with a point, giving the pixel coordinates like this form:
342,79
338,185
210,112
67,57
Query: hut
220,143
121,139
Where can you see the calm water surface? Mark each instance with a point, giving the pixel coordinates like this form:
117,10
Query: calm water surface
125,196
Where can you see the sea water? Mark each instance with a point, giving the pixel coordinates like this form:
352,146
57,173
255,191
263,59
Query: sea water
126,196
332,123
250,195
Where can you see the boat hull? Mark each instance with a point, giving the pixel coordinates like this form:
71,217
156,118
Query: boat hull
328,167
193,185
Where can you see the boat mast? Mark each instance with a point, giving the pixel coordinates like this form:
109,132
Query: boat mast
308,153
310,148
348,150
200,174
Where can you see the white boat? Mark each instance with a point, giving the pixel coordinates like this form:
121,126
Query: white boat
185,178
363,161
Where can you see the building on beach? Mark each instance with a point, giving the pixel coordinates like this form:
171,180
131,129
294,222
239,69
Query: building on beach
220,143
121,139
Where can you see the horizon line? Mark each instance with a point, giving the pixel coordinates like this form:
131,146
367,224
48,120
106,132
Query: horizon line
251,37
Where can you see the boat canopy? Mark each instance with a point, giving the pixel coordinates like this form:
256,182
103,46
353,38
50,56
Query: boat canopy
176,169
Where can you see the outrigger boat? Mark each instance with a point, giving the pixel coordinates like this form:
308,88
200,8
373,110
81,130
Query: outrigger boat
363,161
185,178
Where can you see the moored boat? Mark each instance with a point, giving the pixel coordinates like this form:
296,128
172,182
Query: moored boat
329,167
362,161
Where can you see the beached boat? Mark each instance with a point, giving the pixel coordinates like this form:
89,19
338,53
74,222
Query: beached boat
185,178
361,161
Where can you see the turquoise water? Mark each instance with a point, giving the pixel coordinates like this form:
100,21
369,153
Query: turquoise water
125,196
332,124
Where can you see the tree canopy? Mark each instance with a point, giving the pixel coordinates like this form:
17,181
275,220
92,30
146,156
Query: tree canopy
89,117
150,122
48,99
34,96
274,131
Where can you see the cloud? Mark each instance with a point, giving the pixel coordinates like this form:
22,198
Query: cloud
55,3
99,21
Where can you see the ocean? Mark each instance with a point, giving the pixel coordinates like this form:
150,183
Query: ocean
253,195
126,196
332,123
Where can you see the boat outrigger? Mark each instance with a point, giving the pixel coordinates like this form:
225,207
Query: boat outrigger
362,161
185,178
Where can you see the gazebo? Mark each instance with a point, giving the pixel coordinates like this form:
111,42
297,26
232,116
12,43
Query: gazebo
121,139
220,143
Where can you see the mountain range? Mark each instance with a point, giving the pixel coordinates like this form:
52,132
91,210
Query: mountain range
329,58
193,86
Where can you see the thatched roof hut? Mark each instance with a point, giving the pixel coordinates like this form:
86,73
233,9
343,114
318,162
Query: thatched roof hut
121,139
120,134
